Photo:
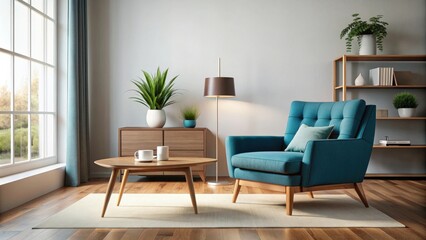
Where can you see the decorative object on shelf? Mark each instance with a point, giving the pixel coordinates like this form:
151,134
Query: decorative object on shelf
218,87
405,103
383,76
359,81
368,34
382,113
154,93
190,115
387,142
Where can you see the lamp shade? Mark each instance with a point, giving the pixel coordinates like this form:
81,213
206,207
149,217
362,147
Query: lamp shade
219,87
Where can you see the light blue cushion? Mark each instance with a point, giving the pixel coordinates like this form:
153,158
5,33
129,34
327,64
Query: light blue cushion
274,162
306,134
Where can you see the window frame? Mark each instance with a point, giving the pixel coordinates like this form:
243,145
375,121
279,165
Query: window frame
17,167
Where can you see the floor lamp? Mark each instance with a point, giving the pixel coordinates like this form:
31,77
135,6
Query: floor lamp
218,87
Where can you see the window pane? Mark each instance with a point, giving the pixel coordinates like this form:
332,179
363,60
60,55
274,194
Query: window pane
21,137
22,29
50,43
38,4
5,81
5,31
49,136
37,36
50,90
50,8
22,78
35,136
37,87
5,146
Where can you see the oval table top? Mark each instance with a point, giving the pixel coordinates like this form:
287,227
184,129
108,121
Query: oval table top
173,162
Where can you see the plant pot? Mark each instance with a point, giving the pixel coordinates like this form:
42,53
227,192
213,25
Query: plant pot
368,45
406,112
189,123
156,118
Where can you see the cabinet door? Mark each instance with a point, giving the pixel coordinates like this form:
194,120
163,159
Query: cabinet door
133,140
184,140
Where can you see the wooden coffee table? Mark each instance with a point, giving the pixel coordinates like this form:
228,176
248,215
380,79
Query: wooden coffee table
129,165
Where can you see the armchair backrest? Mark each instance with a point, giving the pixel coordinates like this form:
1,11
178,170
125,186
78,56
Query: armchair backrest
345,116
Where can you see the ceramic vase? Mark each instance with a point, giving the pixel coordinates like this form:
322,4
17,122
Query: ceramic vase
189,123
368,45
156,118
406,112
359,81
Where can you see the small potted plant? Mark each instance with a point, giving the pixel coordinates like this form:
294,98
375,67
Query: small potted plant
368,34
154,93
190,115
405,103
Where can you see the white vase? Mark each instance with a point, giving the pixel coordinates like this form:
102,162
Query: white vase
156,118
406,112
359,81
368,45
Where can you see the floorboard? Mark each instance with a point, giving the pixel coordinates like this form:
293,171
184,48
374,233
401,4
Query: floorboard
404,200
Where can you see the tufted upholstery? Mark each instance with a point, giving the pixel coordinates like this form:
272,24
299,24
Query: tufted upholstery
344,116
340,162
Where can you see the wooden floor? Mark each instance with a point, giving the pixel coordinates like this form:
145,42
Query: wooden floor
403,200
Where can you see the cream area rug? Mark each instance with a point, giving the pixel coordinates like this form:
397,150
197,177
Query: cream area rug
217,211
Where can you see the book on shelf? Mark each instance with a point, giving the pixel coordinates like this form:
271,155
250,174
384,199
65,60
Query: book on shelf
395,142
382,76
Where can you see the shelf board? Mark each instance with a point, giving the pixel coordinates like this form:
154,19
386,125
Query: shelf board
384,87
376,146
382,58
400,118
395,175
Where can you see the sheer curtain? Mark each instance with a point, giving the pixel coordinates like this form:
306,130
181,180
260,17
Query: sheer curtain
77,156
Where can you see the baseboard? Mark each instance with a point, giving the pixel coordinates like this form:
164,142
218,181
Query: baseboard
24,189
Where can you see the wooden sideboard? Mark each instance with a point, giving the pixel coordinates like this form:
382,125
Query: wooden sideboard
182,142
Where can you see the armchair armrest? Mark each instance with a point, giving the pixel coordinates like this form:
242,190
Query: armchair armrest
335,161
241,144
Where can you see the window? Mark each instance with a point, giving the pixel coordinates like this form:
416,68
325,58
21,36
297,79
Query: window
27,85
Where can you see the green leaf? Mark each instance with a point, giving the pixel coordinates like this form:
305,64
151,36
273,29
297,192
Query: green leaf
153,91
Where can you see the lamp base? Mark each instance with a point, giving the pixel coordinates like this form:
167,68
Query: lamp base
219,183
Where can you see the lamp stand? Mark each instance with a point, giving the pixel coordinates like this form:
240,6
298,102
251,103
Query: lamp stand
217,182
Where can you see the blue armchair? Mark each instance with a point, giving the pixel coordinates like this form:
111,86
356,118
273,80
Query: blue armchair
334,163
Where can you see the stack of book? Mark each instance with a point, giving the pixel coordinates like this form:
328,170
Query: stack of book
395,142
382,76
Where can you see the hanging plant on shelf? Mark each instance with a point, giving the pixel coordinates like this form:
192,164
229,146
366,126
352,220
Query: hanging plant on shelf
375,29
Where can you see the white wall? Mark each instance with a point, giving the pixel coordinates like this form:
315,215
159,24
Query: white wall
277,51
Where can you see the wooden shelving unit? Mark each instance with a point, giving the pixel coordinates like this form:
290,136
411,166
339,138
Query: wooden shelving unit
340,87
400,147
401,118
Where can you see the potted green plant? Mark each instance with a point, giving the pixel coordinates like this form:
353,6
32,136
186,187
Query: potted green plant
405,103
190,115
154,92
368,34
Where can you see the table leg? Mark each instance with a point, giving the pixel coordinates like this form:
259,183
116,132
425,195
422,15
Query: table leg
123,183
189,181
110,187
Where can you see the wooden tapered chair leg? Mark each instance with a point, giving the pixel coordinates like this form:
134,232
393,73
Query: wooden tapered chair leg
289,191
237,188
360,191
311,194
